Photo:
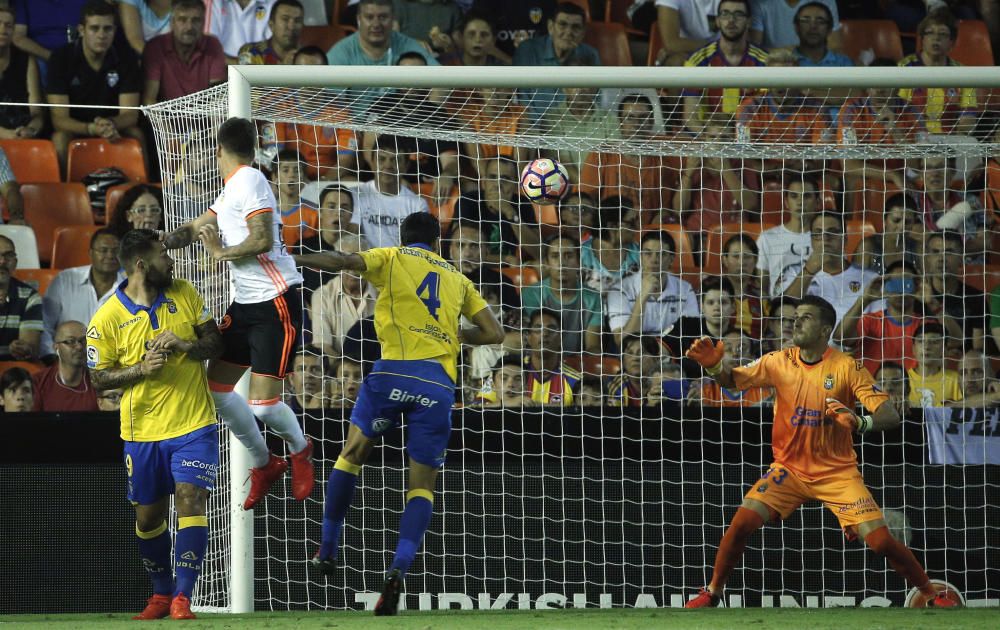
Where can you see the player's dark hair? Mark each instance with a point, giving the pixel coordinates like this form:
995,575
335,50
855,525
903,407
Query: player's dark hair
816,5
134,245
665,238
119,216
95,8
239,137
419,227
332,188
928,328
717,283
827,314
536,316
104,231
568,8
311,51
747,241
13,377
295,4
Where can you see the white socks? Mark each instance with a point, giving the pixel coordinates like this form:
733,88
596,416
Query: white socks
280,418
237,415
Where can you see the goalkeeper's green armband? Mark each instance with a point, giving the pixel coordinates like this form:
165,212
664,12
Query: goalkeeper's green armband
715,370
864,423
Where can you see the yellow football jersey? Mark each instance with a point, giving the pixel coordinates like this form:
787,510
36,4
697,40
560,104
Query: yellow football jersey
420,301
174,401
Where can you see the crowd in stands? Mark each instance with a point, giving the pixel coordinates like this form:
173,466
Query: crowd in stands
600,295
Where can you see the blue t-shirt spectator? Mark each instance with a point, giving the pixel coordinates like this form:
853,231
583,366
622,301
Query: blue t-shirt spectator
541,52
348,51
776,20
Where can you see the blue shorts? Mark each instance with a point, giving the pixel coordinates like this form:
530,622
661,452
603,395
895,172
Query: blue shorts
420,391
154,467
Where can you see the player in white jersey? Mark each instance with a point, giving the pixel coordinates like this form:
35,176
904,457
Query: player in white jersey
263,323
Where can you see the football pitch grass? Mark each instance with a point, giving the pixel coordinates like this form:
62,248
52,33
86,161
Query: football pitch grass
616,619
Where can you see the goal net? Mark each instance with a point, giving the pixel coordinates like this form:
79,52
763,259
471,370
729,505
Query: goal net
591,464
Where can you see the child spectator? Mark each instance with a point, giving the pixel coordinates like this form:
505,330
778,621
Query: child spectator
931,383
739,268
784,248
17,390
347,382
608,257
505,387
110,400
716,320
779,324
739,350
472,44
891,379
640,356
288,178
549,380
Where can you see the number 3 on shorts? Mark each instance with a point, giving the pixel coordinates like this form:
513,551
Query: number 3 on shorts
429,285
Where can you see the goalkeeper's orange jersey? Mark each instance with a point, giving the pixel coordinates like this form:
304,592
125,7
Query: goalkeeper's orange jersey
803,439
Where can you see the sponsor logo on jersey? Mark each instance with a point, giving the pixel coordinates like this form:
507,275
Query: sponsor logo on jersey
112,79
129,322
535,15
804,417
405,396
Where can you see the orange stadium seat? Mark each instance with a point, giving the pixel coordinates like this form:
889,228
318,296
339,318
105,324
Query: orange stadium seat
71,246
39,279
90,154
716,238
611,43
882,36
49,206
521,276
26,365
617,11
322,36
33,161
684,256
983,277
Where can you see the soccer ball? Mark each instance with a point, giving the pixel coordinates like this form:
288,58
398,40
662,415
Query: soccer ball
545,181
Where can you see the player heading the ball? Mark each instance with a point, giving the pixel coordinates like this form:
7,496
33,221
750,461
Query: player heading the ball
264,321
421,300
816,388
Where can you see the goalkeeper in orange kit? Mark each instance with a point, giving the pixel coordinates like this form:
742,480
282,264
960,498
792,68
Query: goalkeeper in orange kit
816,388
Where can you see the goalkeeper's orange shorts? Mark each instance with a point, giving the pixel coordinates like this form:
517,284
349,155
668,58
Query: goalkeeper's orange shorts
846,494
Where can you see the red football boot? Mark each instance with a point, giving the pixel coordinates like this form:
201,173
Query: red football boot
157,607
303,476
705,599
262,478
180,608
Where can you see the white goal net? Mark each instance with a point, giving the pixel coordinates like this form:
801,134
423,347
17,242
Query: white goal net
591,464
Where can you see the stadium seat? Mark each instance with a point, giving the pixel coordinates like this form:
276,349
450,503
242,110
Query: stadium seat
972,46
717,237
71,246
49,206
90,154
611,43
40,279
25,244
521,276
33,161
322,36
983,277
881,36
684,258
617,11
25,365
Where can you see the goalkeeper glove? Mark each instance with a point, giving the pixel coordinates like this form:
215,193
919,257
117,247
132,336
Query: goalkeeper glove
707,354
846,418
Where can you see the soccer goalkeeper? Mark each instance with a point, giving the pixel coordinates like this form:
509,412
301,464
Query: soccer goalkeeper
814,459
421,299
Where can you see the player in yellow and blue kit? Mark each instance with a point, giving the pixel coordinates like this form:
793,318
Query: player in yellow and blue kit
151,339
421,300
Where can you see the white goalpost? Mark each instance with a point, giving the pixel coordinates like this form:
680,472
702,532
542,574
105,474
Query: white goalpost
544,504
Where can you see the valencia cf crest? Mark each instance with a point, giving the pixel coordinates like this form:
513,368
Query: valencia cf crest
261,13
535,15
112,79
828,382
854,286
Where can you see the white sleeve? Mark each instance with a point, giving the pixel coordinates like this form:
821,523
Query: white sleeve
619,308
253,194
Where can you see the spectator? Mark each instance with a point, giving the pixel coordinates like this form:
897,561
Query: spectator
509,224
779,325
739,350
288,178
42,26
185,60
577,211
494,112
685,26
375,43
961,307
10,189
784,248
17,392
891,379
639,359
668,384
110,399
336,306
781,115
346,383
474,42
19,83
285,25
885,334
652,299
21,307
305,381
827,272
945,206
238,22
739,268
142,20
549,380
423,19
591,392
76,293
65,385
646,180
931,383
717,319
608,257
564,42
901,238
505,386
980,387
73,80
733,48
577,115
139,208
517,20
336,206
813,26
944,110
381,204
774,23
714,191
562,291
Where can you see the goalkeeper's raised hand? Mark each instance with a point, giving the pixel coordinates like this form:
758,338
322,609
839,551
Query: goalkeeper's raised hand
707,354
839,413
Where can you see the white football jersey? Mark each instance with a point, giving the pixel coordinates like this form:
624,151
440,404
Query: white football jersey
264,276
234,25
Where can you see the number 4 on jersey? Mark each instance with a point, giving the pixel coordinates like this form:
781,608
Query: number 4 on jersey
429,285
